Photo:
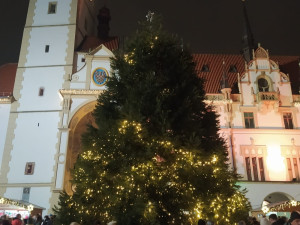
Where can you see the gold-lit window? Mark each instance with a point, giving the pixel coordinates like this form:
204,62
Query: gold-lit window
249,119
288,120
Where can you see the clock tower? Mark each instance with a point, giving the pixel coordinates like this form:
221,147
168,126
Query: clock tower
35,149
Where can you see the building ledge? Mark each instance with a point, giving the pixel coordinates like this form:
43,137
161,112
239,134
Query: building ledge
65,92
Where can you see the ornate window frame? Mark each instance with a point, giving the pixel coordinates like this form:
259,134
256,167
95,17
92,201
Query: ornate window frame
263,75
291,152
255,152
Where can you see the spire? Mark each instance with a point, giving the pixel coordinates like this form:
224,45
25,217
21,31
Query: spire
247,38
224,82
103,23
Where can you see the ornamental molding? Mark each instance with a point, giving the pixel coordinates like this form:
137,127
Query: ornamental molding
65,92
7,100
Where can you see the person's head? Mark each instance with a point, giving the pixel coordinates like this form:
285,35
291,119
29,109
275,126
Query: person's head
112,223
242,222
264,221
273,218
97,222
295,218
74,223
18,216
39,218
5,222
201,222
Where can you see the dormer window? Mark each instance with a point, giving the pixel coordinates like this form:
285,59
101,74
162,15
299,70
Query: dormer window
205,68
232,69
263,85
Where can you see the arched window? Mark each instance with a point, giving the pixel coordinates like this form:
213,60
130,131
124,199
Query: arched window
263,85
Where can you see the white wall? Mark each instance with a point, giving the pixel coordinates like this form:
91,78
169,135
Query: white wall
4,115
36,139
41,16
257,191
51,79
56,38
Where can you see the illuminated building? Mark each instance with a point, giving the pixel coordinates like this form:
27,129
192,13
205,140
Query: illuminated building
63,67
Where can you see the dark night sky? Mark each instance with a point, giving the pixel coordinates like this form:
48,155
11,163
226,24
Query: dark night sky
207,26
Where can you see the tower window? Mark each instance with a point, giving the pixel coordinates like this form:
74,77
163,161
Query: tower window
288,120
205,68
249,119
41,91
52,7
29,168
47,48
26,193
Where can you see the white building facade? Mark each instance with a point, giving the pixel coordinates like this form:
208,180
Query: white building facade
56,89
261,126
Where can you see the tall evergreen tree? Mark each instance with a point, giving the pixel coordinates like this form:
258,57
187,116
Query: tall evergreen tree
155,156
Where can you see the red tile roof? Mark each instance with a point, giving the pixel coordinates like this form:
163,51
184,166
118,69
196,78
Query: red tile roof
214,62
91,42
7,78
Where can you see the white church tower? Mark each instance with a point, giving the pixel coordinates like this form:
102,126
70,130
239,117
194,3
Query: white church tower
35,150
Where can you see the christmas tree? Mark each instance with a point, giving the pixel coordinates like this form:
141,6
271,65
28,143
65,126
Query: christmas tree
155,156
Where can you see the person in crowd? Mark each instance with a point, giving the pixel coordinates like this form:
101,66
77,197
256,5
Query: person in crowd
241,222
201,222
253,221
112,223
282,220
210,222
97,222
46,220
4,220
264,221
17,220
74,223
295,218
273,218
39,220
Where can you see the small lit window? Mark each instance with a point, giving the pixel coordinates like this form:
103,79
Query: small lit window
205,68
29,168
41,91
52,7
47,48
288,120
249,120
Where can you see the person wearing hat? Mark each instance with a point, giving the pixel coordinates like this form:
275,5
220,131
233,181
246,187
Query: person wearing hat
295,218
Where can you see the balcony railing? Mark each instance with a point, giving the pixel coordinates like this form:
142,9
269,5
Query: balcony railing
267,96
6,97
214,97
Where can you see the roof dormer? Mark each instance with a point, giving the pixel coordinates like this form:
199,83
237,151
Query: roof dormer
261,53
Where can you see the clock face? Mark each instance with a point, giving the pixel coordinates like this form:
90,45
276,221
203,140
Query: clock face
100,76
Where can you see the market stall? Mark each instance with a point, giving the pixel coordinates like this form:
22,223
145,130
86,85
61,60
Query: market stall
11,208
